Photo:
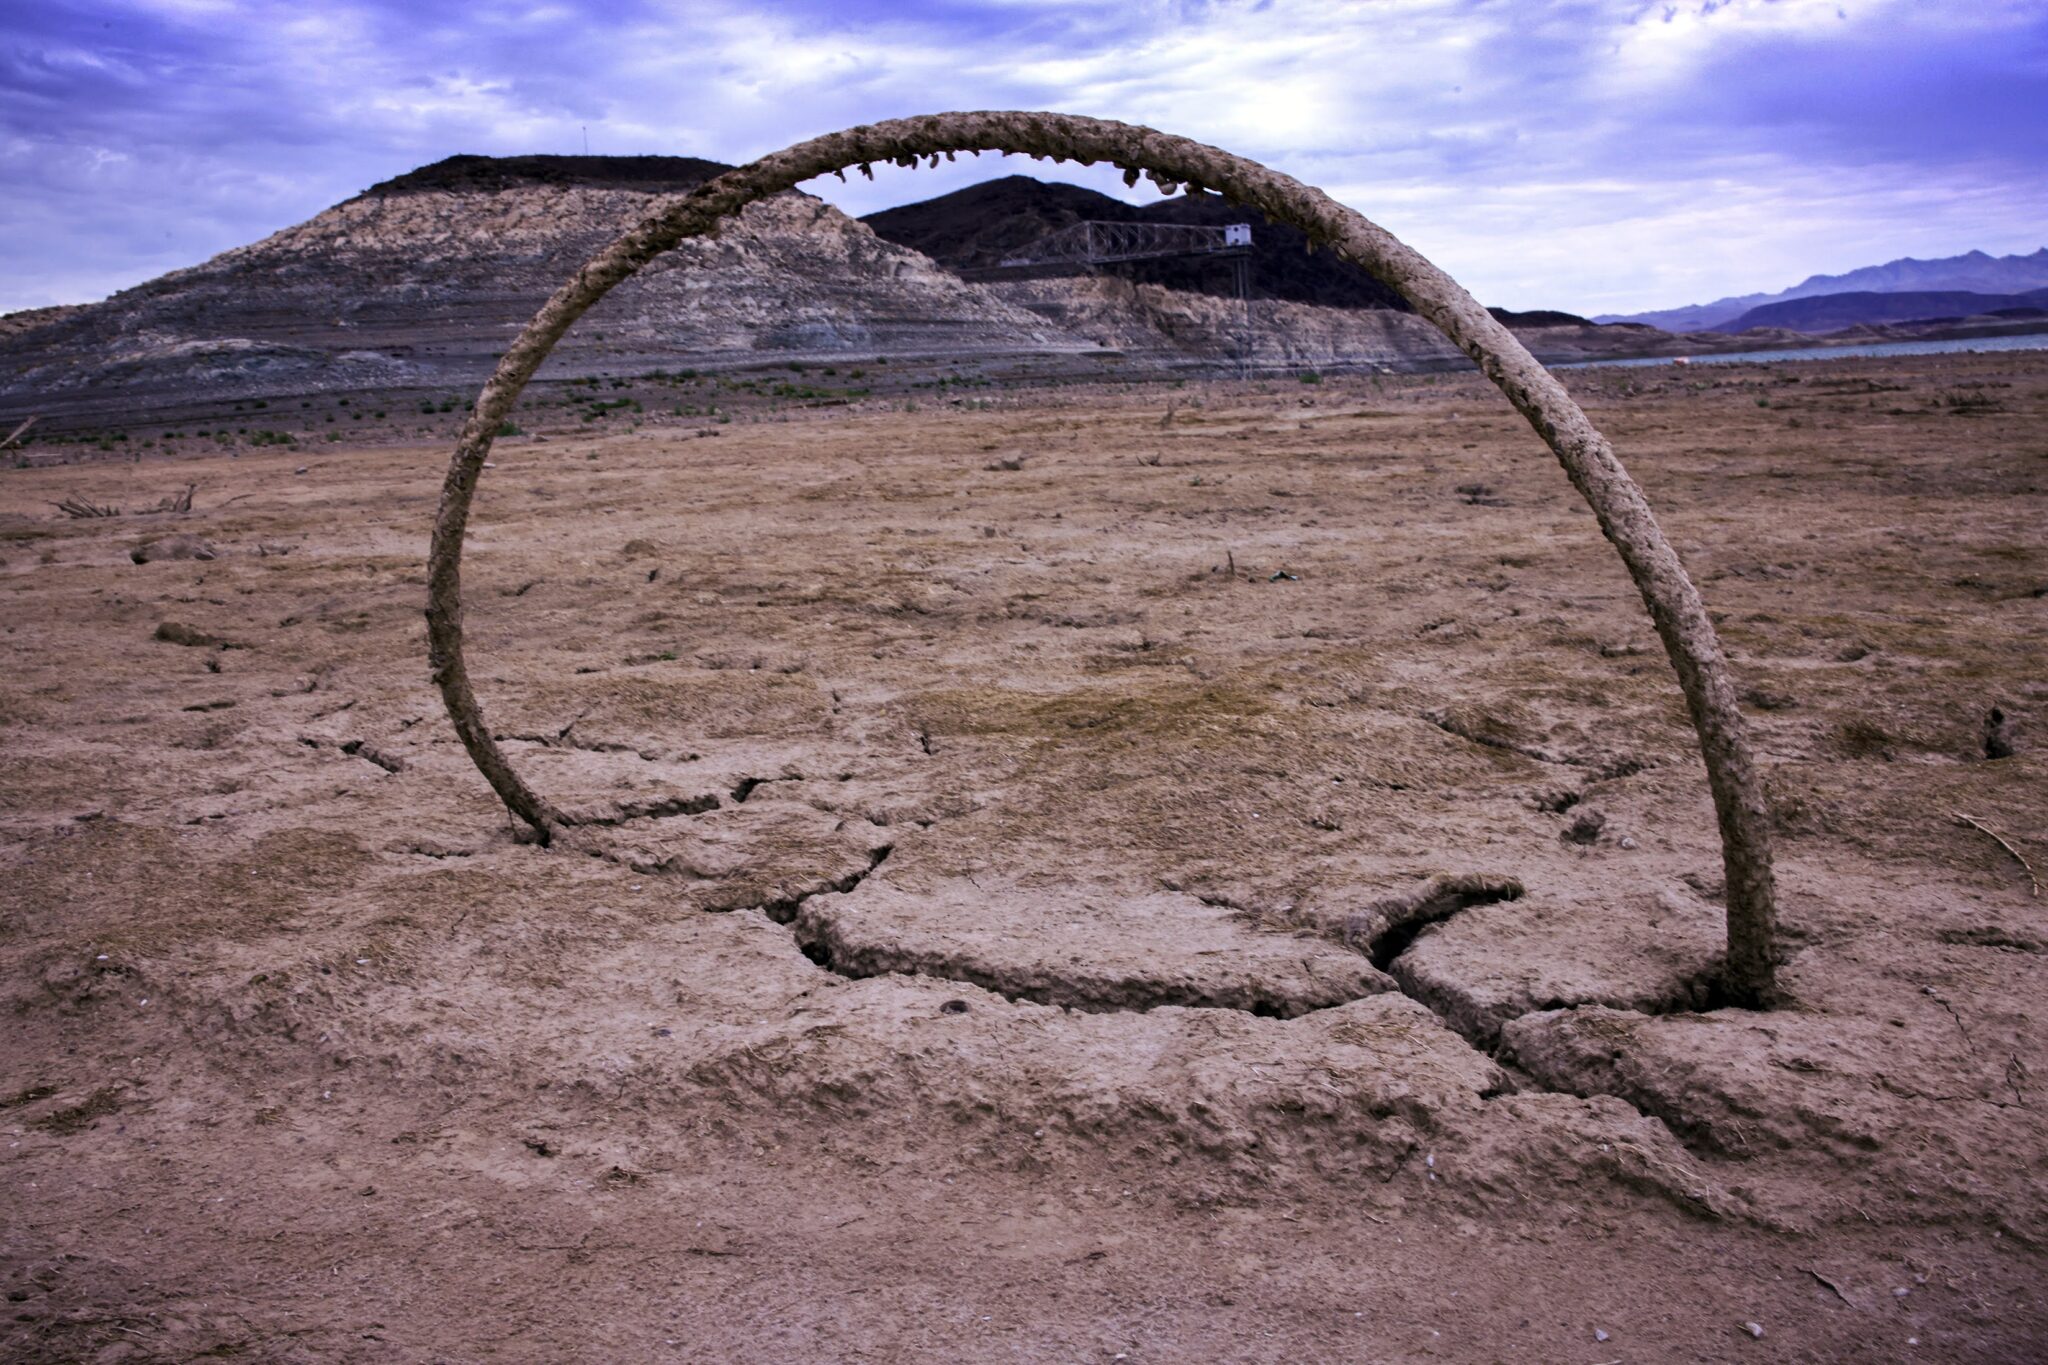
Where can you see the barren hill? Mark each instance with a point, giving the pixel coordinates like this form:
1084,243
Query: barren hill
418,283
423,280
978,226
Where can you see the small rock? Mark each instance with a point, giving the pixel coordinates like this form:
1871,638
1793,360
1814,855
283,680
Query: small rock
181,546
1599,1335
1755,1329
172,633
1585,828
301,469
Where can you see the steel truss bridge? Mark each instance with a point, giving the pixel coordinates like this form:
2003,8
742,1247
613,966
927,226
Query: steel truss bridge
1099,243
1091,244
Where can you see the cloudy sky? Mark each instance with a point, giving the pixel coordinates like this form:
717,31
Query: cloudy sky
1597,155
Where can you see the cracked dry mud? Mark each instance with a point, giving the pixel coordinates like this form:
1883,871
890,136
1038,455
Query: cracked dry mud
1002,919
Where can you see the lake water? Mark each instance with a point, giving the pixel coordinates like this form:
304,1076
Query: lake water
2037,341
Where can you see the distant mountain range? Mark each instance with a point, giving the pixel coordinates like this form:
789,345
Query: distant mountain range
1973,272
1868,308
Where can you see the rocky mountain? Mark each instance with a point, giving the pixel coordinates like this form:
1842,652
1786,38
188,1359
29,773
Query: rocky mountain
975,228
1974,271
417,285
29,319
422,281
1832,312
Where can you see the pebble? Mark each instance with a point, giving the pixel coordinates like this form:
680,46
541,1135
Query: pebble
1599,1335
1755,1329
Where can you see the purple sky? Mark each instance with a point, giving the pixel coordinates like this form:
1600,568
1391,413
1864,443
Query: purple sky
1596,155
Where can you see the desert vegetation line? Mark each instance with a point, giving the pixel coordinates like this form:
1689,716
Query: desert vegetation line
1170,162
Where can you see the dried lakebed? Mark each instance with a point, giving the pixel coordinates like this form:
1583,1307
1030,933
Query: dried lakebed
1022,924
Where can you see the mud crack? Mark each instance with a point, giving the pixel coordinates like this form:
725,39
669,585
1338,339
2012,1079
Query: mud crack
668,807
359,748
661,809
1281,982
749,785
370,753
1489,734
1386,928
783,909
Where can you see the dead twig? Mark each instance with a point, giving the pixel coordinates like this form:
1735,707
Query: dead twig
178,502
18,432
1831,1286
1974,823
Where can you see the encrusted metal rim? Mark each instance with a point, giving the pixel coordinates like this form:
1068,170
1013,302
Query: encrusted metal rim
1625,518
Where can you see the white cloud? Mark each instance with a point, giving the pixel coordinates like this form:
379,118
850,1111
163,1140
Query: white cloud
1588,154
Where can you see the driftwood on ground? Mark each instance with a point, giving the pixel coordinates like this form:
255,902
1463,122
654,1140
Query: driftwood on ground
180,501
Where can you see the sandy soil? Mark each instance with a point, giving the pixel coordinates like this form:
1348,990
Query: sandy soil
1147,874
